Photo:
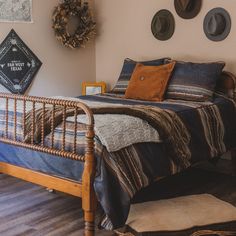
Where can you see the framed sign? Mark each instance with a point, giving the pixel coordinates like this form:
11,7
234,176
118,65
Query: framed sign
18,64
90,88
16,11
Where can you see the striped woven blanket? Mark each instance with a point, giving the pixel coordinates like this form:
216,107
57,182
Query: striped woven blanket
171,129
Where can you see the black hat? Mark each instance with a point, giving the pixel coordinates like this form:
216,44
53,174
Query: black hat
188,9
163,25
217,24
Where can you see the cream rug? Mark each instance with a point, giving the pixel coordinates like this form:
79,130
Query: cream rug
180,213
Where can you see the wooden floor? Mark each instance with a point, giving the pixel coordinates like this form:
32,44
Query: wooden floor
30,210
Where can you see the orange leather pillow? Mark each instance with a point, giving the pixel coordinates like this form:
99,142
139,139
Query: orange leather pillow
149,82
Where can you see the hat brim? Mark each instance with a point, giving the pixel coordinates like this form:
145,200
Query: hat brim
170,31
227,29
188,14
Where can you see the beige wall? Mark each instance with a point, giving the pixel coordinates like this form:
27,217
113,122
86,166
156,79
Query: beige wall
63,70
124,31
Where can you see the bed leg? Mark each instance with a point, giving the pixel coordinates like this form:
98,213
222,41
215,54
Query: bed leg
233,157
89,201
89,218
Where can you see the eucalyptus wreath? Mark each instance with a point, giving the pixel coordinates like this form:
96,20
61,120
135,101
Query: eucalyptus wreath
86,26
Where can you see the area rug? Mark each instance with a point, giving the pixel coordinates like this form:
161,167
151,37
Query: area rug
195,215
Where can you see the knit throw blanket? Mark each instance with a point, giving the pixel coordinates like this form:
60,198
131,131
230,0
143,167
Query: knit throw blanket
171,129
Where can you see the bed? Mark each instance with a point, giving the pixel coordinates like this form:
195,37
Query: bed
48,141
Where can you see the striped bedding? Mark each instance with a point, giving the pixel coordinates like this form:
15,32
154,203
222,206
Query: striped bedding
121,174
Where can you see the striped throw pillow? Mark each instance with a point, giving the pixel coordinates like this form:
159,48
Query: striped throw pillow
194,81
127,70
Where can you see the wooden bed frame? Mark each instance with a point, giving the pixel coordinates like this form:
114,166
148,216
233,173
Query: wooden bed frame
83,189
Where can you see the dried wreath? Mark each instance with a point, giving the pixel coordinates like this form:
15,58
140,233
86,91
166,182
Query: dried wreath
86,26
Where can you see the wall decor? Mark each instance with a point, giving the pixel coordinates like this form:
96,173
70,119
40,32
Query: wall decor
217,24
187,9
65,13
16,11
163,25
18,64
90,88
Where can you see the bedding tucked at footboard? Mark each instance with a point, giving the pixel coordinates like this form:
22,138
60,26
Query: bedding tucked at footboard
178,133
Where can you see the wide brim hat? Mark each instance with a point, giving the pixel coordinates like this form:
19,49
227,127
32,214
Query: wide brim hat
187,9
217,24
163,25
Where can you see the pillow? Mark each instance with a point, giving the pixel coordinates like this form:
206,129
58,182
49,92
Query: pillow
194,81
127,70
149,82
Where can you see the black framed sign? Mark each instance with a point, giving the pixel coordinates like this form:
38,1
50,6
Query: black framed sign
18,64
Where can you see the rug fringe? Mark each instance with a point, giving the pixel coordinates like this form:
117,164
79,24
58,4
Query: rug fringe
123,234
210,232
198,233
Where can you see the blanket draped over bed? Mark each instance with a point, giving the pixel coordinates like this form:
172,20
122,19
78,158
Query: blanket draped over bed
189,132
171,129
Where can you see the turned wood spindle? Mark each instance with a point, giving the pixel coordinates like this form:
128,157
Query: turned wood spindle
6,133
23,117
15,118
63,127
43,124
75,129
32,122
52,125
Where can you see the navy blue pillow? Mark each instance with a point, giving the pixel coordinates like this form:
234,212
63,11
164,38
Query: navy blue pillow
194,81
127,70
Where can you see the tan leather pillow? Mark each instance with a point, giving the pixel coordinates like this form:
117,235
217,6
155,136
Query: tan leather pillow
149,82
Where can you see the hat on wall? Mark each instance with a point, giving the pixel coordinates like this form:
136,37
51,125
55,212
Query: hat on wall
188,9
163,25
217,24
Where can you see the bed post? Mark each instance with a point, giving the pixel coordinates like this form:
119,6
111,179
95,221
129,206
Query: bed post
88,194
227,84
233,157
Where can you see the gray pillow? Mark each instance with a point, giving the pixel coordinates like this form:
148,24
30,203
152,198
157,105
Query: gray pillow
194,81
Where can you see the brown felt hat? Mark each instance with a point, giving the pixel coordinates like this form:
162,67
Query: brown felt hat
163,25
188,9
217,24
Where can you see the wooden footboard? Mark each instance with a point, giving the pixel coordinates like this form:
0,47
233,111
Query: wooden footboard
28,105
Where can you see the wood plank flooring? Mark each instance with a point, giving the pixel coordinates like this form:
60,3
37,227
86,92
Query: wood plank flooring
29,210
